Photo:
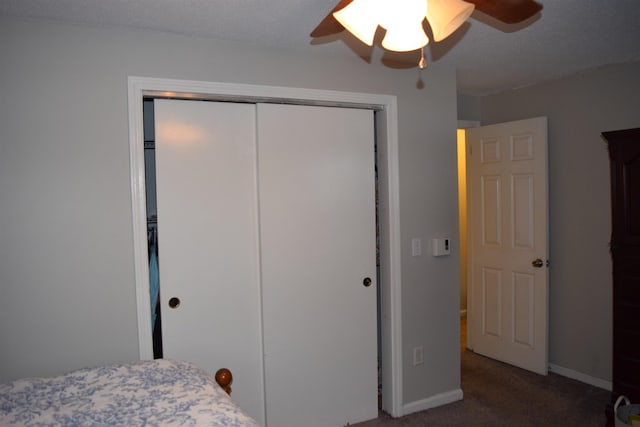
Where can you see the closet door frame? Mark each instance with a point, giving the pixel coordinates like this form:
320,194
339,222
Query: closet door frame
386,123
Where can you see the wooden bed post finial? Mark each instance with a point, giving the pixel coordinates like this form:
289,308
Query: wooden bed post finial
224,379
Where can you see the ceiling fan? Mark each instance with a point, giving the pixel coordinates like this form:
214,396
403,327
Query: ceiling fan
403,19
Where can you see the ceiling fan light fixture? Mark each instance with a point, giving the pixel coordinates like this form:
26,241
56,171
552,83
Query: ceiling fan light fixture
446,16
361,18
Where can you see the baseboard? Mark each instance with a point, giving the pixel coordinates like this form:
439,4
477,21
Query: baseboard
433,401
579,376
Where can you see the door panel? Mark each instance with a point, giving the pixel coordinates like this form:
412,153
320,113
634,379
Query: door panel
491,212
492,301
523,308
208,240
507,169
317,207
523,211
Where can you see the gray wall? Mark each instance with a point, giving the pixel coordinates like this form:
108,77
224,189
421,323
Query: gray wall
579,108
66,253
469,107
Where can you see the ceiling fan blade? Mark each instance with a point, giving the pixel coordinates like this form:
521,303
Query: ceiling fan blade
508,11
329,24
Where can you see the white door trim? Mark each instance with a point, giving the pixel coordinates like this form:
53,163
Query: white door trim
388,190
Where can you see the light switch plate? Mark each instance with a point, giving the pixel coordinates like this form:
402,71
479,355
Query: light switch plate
416,247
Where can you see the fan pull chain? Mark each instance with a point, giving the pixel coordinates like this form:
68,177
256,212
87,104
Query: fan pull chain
422,64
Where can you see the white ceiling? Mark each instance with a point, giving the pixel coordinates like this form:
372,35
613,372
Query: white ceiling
568,36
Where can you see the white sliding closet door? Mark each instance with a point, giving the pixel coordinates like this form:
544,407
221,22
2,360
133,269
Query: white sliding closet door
208,240
266,227
317,219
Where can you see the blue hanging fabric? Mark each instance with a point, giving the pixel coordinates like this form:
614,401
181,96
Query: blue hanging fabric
154,283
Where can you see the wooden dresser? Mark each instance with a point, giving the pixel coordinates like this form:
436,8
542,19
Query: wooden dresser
624,154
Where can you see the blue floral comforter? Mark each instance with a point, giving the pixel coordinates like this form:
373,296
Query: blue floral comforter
149,393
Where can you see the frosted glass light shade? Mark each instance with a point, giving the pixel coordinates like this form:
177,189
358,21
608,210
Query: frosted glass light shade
446,16
404,39
361,18
403,21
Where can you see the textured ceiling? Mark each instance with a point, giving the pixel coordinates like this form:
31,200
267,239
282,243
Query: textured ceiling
568,36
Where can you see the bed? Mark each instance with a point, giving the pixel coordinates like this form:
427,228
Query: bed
149,393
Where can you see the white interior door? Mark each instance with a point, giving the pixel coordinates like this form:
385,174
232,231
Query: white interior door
317,209
208,240
507,171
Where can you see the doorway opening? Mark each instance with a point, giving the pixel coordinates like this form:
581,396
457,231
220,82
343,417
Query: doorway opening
159,223
465,309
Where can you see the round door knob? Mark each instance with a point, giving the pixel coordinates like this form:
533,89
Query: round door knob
537,263
174,302
366,282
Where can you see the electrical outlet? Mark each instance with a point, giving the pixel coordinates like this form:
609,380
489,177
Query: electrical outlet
418,355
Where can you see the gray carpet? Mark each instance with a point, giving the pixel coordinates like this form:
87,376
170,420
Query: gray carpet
497,394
